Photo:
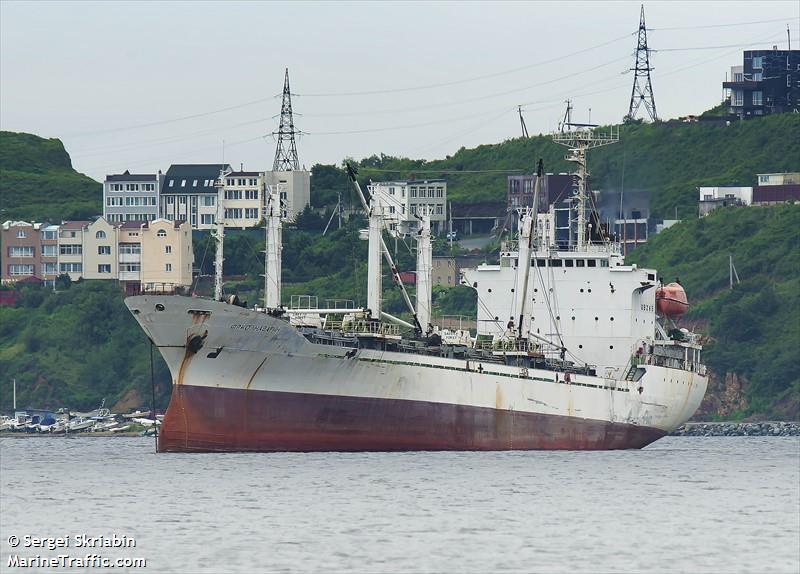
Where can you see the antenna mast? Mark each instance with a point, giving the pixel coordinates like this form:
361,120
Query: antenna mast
286,152
579,138
642,91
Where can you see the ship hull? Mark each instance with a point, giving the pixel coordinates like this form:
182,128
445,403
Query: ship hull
205,419
247,381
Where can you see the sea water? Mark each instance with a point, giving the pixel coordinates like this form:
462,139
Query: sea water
684,504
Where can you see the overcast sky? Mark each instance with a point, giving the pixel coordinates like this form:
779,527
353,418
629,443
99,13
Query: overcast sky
116,81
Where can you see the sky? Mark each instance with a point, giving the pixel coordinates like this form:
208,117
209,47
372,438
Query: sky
142,85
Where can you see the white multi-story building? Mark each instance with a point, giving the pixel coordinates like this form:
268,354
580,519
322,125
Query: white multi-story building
130,197
242,198
295,190
403,201
190,193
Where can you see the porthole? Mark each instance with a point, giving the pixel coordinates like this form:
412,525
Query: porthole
573,317
590,290
558,317
496,318
597,318
611,346
159,307
580,346
512,290
581,290
535,290
612,318
488,290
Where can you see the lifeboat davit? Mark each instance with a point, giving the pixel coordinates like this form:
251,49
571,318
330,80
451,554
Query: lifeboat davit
671,300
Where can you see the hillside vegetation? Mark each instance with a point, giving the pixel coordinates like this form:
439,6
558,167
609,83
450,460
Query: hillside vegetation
668,161
753,329
37,181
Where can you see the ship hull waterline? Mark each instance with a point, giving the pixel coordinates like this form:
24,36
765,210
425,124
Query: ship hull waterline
208,419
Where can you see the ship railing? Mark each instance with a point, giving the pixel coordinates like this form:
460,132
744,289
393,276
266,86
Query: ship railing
153,288
362,327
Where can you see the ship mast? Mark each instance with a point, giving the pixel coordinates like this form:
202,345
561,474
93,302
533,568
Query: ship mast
424,261
351,172
219,236
374,276
579,138
274,245
527,231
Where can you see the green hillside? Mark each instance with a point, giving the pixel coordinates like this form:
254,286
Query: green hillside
666,160
753,329
37,181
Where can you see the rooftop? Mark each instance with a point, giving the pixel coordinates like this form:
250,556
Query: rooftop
128,176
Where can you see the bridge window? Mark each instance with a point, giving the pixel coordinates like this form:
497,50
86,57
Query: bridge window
591,263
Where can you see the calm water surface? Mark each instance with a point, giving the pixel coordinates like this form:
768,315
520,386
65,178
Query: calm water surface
684,504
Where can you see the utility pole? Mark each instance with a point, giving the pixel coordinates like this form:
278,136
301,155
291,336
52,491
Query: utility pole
642,91
522,123
286,152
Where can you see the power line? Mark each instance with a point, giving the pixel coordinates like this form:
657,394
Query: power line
704,26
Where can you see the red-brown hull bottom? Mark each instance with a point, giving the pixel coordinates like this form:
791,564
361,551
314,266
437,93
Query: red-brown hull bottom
203,419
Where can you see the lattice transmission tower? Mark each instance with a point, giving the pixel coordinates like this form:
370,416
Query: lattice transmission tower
642,92
286,152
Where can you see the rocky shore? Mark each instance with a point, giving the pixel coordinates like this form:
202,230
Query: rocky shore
738,429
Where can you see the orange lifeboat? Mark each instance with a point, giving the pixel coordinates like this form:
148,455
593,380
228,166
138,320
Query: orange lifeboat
671,300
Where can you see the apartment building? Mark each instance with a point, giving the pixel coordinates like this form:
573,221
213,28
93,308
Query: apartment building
295,190
70,248
776,188
189,192
166,255
767,82
30,250
131,197
129,256
402,201
243,198
99,240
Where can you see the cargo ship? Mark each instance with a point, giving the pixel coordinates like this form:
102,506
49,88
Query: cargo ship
574,349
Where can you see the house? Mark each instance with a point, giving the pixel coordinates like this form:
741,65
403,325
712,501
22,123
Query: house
767,82
189,192
713,197
403,201
29,250
775,188
131,196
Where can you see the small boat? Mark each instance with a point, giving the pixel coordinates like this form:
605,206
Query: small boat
121,429
136,414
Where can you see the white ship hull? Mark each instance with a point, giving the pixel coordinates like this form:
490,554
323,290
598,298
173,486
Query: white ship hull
253,382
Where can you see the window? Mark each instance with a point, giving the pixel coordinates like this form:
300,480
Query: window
580,263
569,263
20,234
788,81
233,194
737,77
439,192
168,267
591,263
49,250
161,233
758,62
49,268
284,196
391,191
251,194
182,200
208,201
130,249
439,209
49,235
25,251
132,187
104,268
104,250
708,197
71,249
207,219
100,234
71,267
253,181
20,269
148,187
194,184
229,181
757,76
738,98
183,183
233,213
168,249
171,182
251,213
757,98
413,192
116,187
130,267
391,209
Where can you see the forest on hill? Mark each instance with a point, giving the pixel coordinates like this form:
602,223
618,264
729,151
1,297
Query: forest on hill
38,183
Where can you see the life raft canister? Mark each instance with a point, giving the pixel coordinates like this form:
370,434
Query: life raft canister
671,300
